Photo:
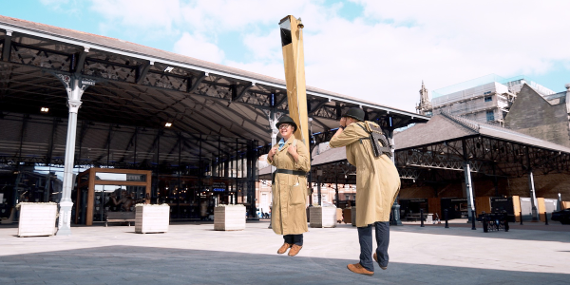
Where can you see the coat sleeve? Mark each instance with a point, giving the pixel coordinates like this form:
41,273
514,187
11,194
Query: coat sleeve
304,162
348,136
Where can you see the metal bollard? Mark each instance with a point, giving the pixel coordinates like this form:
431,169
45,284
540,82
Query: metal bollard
473,220
521,217
546,218
422,218
445,215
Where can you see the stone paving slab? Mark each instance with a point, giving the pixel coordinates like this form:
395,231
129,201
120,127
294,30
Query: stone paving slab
193,253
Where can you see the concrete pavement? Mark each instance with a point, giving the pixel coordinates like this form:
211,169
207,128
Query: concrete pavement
193,253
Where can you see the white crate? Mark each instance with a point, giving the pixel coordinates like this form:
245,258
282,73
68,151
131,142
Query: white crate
152,218
229,218
37,219
323,217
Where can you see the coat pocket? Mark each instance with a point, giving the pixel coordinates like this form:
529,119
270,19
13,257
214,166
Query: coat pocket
297,195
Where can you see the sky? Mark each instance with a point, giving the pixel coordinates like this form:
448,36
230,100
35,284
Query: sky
374,50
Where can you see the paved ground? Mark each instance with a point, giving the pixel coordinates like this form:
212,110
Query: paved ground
193,253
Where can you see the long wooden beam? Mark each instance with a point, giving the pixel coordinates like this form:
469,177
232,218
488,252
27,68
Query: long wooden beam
293,59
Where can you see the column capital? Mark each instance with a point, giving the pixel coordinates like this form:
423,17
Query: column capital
74,105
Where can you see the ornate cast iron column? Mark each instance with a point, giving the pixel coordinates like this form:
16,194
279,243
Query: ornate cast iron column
75,86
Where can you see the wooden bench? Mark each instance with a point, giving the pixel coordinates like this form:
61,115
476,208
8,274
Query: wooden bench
120,217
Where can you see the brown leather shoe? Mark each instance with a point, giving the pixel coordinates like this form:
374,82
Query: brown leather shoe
294,250
357,268
284,248
376,259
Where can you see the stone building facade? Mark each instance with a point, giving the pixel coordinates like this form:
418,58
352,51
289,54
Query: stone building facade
487,99
543,117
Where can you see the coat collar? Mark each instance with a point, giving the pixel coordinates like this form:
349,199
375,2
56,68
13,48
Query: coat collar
288,142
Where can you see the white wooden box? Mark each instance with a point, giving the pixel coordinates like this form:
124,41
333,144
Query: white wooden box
229,218
323,217
37,219
152,218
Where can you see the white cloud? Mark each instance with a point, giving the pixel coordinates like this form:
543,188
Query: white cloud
140,14
54,2
381,56
71,8
384,56
264,47
272,69
198,47
215,15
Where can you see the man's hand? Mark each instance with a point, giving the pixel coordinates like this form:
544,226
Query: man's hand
272,152
292,150
343,122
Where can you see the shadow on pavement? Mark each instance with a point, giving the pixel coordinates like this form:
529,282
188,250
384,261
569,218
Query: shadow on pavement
154,265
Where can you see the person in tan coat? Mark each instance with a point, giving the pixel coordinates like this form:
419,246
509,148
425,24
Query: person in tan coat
377,185
289,187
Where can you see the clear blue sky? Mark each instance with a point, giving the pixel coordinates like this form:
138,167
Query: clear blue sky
379,51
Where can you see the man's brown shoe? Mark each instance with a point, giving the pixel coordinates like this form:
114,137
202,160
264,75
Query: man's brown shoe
294,250
376,259
284,248
357,268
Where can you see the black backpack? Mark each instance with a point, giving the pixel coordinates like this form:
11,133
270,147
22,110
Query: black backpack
380,144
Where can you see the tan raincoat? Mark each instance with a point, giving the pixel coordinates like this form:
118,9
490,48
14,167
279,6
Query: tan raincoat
288,215
377,179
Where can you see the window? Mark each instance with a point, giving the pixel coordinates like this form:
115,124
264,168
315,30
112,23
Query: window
488,99
264,198
490,116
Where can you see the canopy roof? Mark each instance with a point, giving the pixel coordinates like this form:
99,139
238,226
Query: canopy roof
446,142
213,108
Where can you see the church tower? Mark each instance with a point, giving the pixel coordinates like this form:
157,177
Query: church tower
424,107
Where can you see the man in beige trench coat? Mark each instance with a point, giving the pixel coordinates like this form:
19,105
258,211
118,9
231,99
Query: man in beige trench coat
289,187
377,185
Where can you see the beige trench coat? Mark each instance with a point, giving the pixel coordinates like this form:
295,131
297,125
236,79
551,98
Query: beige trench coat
288,215
377,179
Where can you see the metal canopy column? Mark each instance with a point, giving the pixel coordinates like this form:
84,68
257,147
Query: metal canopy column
389,131
75,86
469,190
533,202
532,196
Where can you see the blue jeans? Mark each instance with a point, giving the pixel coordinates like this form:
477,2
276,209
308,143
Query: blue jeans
382,242
294,239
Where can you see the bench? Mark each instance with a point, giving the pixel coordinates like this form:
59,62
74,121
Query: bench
120,217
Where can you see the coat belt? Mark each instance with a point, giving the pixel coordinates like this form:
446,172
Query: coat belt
287,171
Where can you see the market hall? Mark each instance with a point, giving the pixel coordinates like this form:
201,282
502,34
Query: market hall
467,168
75,104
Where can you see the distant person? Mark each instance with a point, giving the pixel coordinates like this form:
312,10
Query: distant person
377,185
124,203
289,187
204,210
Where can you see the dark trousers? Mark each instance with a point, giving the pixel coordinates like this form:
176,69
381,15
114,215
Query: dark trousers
294,239
382,241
